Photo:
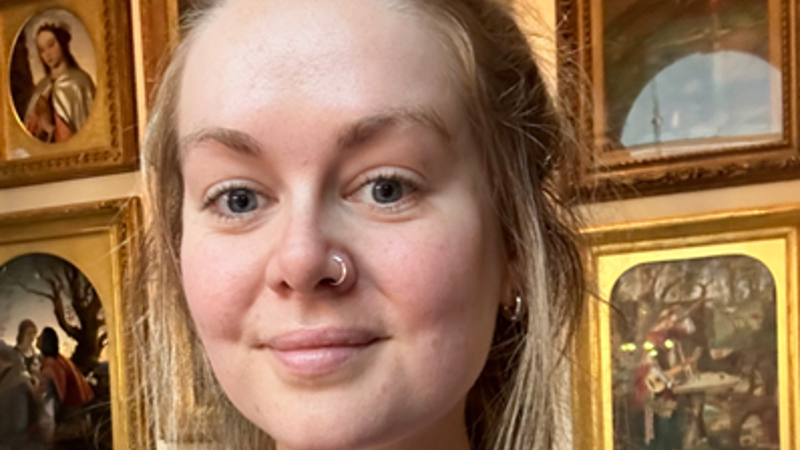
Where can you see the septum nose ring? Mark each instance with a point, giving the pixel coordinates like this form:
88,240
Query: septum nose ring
342,271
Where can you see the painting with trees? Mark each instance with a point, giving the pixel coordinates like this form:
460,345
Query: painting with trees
51,314
694,354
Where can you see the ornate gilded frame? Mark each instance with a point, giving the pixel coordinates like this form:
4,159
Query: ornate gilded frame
99,239
612,173
770,235
107,142
159,35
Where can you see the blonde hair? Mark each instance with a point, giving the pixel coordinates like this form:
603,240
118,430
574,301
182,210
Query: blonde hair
528,149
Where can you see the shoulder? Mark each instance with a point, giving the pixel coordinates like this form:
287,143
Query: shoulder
49,363
79,75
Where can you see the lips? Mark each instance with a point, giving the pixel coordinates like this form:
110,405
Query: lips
317,352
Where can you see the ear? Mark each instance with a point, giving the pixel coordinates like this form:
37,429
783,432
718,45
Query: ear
512,303
513,284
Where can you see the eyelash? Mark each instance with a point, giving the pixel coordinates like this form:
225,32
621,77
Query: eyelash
410,189
412,186
218,192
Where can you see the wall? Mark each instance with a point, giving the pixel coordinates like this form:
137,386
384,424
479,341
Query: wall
121,185
660,207
694,203
74,191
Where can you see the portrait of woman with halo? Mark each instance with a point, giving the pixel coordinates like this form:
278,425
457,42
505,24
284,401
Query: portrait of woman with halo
55,87
357,211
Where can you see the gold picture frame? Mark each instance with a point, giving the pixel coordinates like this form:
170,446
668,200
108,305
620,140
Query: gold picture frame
681,97
98,240
76,118
159,34
718,283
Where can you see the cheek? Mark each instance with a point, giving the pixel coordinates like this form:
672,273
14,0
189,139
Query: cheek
445,283
453,297
220,282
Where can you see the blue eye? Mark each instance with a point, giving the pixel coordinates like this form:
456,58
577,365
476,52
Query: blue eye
235,200
241,201
387,190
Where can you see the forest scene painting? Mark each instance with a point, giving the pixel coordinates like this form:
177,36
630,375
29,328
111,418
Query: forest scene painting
694,356
54,372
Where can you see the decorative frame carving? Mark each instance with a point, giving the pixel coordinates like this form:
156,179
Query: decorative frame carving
159,39
612,173
107,142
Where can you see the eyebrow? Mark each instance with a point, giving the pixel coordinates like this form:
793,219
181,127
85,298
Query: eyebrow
238,141
352,136
369,127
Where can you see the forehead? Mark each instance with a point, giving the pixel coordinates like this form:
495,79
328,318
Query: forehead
45,35
338,54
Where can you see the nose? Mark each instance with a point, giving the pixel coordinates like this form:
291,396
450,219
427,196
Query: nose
307,259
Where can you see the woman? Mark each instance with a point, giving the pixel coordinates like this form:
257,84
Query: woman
26,336
62,100
354,212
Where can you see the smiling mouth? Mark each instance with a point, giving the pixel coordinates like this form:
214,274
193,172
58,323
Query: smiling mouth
317,352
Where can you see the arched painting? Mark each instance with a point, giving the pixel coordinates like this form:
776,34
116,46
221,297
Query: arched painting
53,342
681,94
53,76
690,71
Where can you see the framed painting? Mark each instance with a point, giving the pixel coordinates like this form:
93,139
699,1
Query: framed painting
68,96
693,342
682,95
64,321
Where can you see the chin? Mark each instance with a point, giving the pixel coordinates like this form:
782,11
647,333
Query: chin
317,439
335,432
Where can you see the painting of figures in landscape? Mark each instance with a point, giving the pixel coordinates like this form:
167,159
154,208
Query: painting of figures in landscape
54,374
694,356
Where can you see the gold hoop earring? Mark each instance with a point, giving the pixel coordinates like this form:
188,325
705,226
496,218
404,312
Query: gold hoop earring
513,314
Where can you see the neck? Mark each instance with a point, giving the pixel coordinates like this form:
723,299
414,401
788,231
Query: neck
447,433
58,70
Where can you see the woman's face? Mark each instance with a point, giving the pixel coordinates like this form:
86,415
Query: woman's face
28,336
326,127
49,49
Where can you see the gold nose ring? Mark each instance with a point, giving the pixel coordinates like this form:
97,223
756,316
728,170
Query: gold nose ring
342,271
